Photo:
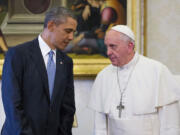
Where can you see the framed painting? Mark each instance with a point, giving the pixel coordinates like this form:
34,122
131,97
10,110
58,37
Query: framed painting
89,61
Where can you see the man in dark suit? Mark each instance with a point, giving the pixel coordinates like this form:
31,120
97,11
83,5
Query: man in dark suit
37,81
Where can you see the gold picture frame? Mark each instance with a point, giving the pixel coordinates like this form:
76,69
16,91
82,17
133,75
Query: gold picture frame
89,67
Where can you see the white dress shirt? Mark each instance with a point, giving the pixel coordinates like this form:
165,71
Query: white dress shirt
45,49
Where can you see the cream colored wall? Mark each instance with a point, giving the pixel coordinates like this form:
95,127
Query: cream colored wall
163,32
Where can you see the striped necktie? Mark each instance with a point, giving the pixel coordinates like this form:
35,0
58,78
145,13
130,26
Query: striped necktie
51,69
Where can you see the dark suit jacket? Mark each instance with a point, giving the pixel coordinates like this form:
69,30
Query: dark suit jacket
25,93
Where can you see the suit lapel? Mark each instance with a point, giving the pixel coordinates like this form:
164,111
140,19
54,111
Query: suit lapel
60,72
40,65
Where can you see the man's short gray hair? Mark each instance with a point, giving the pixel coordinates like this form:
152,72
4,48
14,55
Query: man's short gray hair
58,15
127,38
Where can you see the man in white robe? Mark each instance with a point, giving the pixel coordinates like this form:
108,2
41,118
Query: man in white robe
134,95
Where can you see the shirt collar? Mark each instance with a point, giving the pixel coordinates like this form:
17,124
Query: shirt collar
130,63
45,49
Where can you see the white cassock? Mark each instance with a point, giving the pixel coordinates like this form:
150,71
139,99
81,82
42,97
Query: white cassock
150,99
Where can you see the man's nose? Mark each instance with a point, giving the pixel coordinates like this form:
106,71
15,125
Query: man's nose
71,36
109,52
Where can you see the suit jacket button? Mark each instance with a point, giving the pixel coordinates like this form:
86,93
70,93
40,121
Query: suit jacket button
50,110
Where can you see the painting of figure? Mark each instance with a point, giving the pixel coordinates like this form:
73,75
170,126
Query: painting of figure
95,17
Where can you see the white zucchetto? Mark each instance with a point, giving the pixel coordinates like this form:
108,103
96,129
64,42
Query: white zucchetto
125,30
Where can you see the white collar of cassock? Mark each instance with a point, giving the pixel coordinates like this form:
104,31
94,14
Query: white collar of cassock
130,63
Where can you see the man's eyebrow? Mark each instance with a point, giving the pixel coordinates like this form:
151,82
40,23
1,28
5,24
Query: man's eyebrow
112,45
69,29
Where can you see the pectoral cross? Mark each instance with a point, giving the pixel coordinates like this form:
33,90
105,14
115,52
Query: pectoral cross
120,107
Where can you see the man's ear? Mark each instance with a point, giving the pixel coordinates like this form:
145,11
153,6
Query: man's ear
50,26
131,45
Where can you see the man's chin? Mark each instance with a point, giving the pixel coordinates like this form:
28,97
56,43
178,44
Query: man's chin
114,63
61,47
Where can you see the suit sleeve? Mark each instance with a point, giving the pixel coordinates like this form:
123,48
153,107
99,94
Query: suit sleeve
68,105
16,122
